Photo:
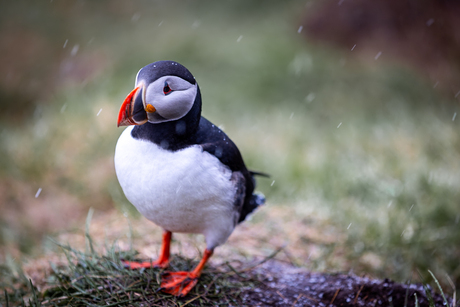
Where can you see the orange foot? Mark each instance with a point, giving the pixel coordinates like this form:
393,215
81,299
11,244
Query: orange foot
178,283
161,262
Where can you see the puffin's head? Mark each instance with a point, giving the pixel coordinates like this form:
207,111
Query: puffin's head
164,91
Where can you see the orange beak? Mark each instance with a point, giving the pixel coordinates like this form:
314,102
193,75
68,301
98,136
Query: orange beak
132,110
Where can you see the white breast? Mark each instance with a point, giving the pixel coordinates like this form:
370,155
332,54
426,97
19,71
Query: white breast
183,191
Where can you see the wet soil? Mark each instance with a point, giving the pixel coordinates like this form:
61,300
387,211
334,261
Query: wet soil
284,285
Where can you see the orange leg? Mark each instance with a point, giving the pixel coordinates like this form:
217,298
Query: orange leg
161,262
180,283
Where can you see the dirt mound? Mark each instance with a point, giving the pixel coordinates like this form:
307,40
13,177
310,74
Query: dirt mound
284,285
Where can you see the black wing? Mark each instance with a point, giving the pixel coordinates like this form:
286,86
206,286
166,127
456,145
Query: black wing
216,142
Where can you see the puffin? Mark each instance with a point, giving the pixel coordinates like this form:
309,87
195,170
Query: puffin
178,169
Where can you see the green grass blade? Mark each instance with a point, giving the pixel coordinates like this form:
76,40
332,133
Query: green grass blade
36,301
454,290
429,296
89,240
416,300
407,293
439,287
427,291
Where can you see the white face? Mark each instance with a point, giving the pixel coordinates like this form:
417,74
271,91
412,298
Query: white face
171,96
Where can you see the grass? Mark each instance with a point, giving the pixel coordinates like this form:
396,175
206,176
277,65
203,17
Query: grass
369,152
95,278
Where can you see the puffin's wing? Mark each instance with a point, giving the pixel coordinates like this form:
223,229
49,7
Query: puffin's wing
239,202
217,143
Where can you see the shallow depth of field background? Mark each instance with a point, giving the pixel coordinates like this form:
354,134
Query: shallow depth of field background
357,127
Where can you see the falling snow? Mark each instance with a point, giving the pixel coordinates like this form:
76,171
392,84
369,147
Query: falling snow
75,50
164,144
136,17
218,152
378,55
300,29
196,24
310,97
99,112
38,192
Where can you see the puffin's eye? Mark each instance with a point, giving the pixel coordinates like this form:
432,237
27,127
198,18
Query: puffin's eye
166,89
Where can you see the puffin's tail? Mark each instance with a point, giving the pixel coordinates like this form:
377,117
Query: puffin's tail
254,173
257,199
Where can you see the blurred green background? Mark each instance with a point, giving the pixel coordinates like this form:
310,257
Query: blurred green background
361,137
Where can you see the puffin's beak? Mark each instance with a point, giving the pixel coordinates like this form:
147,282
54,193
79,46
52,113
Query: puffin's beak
132,110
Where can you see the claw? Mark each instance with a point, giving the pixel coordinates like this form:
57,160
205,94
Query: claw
178,283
